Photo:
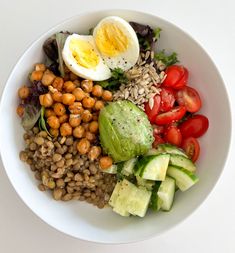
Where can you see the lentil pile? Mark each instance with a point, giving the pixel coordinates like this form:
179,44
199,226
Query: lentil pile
144,78
67,157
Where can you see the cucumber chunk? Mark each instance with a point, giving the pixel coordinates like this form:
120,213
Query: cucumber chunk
155,202
154,151
166,193
182,161
129,199
184,178
153,167
128,166
170,149
111,170
148,184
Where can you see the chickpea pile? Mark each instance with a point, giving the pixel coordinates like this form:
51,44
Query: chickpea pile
72,109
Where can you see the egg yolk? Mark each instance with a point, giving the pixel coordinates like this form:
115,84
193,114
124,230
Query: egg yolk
84,53
110,40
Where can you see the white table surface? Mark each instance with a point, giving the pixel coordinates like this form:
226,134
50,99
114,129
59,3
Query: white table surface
212,227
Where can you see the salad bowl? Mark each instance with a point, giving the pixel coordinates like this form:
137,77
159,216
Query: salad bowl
81,220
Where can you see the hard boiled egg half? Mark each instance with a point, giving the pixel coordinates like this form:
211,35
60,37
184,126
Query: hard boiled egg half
114,44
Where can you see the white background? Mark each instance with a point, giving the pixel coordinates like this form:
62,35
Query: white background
212,227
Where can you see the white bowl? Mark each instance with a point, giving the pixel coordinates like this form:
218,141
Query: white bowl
85,221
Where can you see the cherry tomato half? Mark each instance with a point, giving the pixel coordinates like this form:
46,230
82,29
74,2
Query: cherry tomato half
190,98
173,135
195,126
152,112
173,115
157,140
177,77
167,99
192,148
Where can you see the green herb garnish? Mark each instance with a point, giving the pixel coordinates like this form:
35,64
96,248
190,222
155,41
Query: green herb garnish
157,32
41,122
117,78
166,59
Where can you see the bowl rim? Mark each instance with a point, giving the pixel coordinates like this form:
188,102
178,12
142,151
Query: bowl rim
151,15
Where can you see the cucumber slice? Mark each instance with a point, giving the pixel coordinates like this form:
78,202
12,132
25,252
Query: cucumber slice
153,167
120,199
184,178
138,202
154,151
170,149
114,196
110,170
182,161
148,184
128,199
128,166
166,193
155,202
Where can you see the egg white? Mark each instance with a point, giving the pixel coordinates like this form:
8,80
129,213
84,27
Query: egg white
98,73
127,59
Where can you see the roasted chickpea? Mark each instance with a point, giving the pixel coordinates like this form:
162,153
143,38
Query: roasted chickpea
68,99
105,162
65,129
86,126
90,136
53,122
40,67
57,96
95,116
98,105
48,77
66,69
49,112
94,153
97,91
54,132
58,83
59,109
76,108
46,100
86,116
76,82
23,92
79,94
78,131
69,86
74,120
64,118
87,85
83,146
36,75
88,102
66,77
72,76
20,110
107,95
93,127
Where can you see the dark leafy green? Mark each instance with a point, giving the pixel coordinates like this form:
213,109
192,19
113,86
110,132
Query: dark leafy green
32,106
53,47
42,122
167,59
146,35
118,77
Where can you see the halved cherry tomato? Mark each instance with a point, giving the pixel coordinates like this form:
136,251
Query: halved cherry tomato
158,129
167,99
171,116
192,148
157,140
190,98
177,77
195,126
173,135
152,112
